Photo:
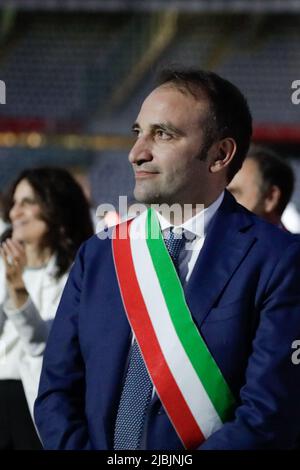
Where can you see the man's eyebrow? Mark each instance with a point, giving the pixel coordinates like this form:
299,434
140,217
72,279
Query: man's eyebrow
168,127
165,126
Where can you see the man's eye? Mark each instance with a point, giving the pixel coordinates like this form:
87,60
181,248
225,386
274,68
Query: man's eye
135,131
163,135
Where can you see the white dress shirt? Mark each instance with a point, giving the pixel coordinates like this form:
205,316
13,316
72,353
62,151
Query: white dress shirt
195,229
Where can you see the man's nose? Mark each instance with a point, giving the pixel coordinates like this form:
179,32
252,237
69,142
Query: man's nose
141,151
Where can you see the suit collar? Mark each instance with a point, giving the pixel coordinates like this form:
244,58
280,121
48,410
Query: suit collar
227,243
199,223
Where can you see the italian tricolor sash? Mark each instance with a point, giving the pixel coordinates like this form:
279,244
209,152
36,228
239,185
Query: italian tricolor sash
186,377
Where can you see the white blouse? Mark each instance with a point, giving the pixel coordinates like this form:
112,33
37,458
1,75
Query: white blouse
24,331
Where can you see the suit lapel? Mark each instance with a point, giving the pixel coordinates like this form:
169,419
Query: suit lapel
226,245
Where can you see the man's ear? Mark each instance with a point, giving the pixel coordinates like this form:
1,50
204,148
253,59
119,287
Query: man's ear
271,199
223,153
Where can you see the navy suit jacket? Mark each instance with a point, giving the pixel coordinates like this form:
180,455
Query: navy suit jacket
244,295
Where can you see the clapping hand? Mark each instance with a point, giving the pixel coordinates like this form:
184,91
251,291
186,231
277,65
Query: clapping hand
14,257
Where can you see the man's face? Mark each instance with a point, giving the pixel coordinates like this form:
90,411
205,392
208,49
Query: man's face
245,187
166,155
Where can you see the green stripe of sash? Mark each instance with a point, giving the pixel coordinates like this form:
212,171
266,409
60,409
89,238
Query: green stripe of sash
188,334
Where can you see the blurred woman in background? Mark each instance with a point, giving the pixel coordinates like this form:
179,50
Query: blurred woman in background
49,218
3,225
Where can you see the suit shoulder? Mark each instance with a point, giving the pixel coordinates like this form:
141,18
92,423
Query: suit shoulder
267,234
101,240
273,237
98,241
264,227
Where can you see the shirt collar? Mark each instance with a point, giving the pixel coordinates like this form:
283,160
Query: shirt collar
197,225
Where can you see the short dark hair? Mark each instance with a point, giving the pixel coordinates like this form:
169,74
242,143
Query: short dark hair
65,210
274,171
229,111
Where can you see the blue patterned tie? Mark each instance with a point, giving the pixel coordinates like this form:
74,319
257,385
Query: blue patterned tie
137,389
174,243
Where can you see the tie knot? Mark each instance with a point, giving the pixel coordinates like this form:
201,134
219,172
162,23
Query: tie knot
174,242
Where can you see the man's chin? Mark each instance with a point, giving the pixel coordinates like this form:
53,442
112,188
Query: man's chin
143,197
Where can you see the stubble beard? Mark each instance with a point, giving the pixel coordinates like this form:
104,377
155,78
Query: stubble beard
146,195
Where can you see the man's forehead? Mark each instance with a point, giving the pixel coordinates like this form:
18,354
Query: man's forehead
190,91
170,98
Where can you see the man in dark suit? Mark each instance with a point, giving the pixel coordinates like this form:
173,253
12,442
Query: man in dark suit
169,341
264,184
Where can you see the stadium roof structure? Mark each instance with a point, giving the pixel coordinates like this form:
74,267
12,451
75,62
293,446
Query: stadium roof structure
208,6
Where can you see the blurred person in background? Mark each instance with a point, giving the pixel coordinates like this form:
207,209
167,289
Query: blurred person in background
49,218
3,225
264,184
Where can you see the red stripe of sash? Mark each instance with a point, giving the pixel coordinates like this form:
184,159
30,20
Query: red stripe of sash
165,385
